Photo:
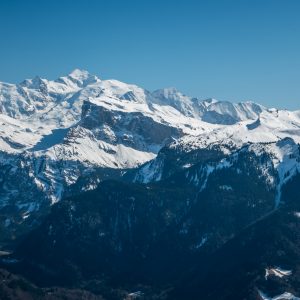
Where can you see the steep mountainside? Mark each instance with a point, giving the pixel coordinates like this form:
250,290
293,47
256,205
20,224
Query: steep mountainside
64,136
163,227
260,263
153,195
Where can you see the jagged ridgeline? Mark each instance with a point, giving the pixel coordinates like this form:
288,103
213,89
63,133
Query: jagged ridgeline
102,181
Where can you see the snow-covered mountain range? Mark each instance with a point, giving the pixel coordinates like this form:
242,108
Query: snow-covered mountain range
79,128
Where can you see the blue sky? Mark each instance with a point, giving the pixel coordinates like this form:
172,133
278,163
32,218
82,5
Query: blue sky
227,49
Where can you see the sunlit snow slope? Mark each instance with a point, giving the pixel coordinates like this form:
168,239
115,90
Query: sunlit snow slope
54,133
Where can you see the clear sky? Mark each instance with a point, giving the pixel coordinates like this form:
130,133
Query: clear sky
226,49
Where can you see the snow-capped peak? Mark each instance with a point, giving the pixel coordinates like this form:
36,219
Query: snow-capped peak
34,83
81,122
79,74
172,97
78,77
208,110
168,93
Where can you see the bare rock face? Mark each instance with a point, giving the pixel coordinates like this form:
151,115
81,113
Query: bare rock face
143,129
100,179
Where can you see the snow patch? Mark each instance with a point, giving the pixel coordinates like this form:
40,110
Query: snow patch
284,296
279,272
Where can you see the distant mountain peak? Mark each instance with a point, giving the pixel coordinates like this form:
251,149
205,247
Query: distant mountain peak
79,77
168,93
80,74
34,83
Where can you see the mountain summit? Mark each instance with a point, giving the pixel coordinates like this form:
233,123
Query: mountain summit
54,133
111,176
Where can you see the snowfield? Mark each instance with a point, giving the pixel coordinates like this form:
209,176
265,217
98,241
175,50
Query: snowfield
54,131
